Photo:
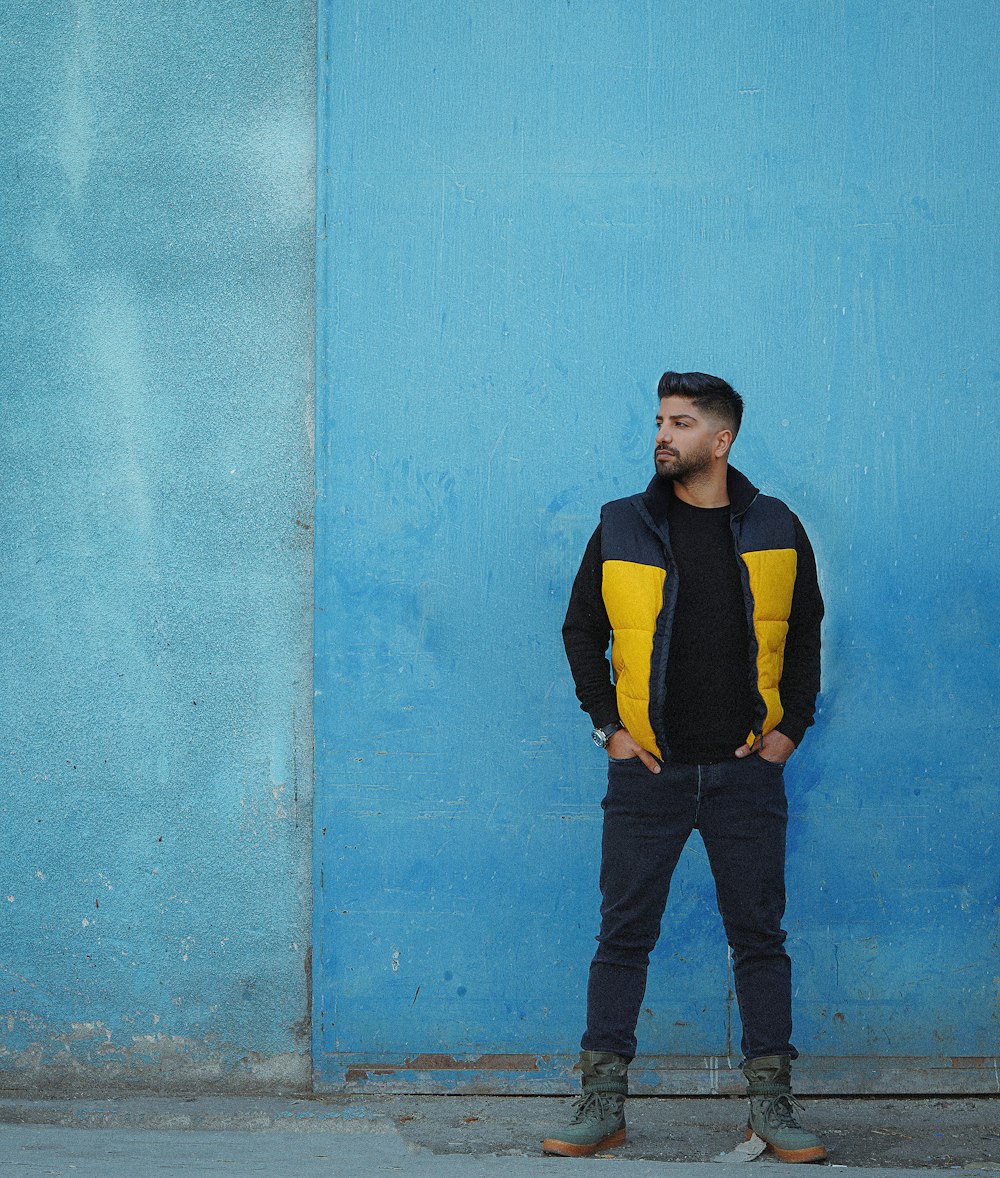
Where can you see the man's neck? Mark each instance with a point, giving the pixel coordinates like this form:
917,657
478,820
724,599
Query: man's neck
708,488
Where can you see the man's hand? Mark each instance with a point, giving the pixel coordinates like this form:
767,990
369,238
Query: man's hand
621,746
775,746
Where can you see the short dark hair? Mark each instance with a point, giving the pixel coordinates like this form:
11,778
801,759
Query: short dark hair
710,393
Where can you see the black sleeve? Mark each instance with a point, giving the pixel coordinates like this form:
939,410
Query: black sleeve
586,634
800,676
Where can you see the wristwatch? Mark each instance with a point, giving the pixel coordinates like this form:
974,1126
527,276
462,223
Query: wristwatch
603,735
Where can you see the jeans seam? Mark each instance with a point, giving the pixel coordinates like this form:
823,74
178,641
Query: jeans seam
697,808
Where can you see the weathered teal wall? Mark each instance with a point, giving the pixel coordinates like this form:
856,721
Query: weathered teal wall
155,404
531,210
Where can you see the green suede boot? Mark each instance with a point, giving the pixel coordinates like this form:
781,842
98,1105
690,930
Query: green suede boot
773,1114
598,1119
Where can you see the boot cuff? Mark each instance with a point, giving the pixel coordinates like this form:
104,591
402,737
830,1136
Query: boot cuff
767,1088
617,1085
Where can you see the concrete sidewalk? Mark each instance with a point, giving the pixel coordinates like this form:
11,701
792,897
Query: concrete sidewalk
469,1136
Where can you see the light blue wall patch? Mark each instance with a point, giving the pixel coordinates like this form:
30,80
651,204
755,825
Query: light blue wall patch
156,408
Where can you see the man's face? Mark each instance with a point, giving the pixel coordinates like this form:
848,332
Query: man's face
686,440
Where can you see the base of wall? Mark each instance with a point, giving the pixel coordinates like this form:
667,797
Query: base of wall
660,1075
510,1075
174,1074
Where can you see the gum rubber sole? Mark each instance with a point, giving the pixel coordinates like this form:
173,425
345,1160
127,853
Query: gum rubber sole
814,1153
567,1149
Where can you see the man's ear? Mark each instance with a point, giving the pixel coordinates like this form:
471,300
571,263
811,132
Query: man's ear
723,441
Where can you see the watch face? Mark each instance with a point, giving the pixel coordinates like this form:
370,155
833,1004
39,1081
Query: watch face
599,738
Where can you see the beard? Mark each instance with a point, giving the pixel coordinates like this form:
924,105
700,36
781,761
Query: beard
680,469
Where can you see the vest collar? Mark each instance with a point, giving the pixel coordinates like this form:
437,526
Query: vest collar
659,493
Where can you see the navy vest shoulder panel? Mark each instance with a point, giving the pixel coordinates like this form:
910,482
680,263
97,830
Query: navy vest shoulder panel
626,536
767,523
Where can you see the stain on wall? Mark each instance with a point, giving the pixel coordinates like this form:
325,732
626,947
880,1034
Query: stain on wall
157,304
530,211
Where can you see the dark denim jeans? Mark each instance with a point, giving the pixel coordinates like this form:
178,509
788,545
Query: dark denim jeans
739,808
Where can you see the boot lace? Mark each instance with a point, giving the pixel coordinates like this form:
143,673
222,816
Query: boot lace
593,1106
780,1112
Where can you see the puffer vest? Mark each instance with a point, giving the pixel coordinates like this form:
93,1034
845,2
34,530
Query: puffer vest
639,586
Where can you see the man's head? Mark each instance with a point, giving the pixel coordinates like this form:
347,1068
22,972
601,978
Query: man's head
699,418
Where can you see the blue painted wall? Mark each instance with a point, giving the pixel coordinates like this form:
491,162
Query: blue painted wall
528,212
156,282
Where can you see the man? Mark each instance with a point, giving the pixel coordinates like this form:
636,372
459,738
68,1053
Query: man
707,590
